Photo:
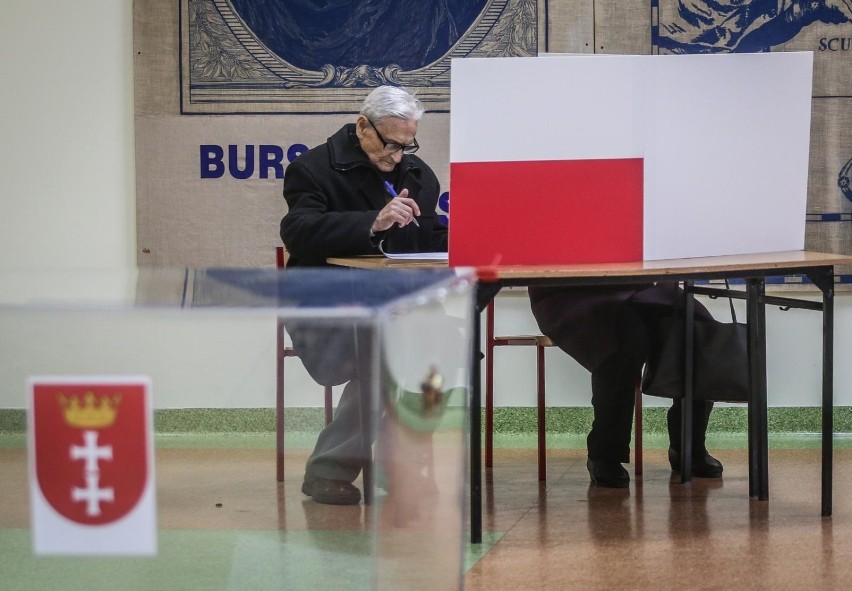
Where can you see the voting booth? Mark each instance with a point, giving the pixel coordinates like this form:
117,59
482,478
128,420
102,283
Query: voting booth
92,350
608,158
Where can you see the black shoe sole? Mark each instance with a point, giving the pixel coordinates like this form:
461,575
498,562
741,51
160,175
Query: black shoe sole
699,470
605,482
335,500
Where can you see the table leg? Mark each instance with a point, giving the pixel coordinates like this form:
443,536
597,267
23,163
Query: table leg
476,430
824,279
370,402
758,438
763,411
827,395
752,388
688,383
486,291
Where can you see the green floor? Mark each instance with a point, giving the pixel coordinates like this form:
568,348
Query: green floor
206,560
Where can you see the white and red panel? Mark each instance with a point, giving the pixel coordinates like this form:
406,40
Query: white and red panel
566,159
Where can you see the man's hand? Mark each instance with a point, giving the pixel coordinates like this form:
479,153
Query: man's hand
399,210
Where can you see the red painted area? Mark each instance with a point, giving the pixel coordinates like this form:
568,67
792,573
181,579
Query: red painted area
546,212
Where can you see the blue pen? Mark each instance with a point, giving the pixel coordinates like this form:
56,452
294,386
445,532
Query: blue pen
393,194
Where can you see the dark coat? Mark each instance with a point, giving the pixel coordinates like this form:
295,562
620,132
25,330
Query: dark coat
581,320
334,194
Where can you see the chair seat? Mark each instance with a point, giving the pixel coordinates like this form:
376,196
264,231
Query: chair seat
524,340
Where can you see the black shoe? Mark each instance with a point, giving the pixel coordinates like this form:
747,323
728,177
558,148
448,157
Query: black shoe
608,474
703,464
331,492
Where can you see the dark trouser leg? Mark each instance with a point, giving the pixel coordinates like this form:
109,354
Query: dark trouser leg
613,389
700,419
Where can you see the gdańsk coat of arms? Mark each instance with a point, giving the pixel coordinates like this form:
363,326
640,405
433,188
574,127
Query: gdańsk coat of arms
90,450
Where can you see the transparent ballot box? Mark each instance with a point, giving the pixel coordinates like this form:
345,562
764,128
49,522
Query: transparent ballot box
110,479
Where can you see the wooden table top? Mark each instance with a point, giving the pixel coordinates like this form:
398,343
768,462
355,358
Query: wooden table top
762,262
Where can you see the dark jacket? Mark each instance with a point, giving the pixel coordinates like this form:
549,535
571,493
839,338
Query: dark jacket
582,320
334,194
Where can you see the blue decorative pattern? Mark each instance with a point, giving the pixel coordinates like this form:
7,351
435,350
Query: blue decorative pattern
368,34
725,26
844,180
715,26
248,56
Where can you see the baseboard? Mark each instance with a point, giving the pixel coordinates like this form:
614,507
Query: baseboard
508,420
574,420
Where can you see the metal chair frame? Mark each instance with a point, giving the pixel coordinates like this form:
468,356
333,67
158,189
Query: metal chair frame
283,351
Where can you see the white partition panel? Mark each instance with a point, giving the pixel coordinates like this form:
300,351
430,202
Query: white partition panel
726,160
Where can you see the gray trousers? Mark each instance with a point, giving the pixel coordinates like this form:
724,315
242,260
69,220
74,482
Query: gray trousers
337,353
340,451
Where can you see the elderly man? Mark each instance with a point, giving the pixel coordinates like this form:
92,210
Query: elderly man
362,187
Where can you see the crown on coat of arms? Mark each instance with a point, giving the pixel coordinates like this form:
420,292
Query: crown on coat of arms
92,412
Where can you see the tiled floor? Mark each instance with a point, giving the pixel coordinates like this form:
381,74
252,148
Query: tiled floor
661,534
226,524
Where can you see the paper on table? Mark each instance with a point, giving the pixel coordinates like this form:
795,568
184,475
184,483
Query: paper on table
419,256
414,256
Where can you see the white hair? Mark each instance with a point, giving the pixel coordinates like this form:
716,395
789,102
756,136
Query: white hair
391,101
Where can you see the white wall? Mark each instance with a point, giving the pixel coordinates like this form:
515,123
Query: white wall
794,362
66,146
67,201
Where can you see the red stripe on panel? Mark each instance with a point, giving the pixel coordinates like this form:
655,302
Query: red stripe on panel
546,212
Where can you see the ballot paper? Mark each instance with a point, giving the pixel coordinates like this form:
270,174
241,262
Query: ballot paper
414,256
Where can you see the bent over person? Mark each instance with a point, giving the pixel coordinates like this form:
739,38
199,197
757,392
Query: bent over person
362,187
608,331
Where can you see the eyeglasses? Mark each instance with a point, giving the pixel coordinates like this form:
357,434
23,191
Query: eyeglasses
394,147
